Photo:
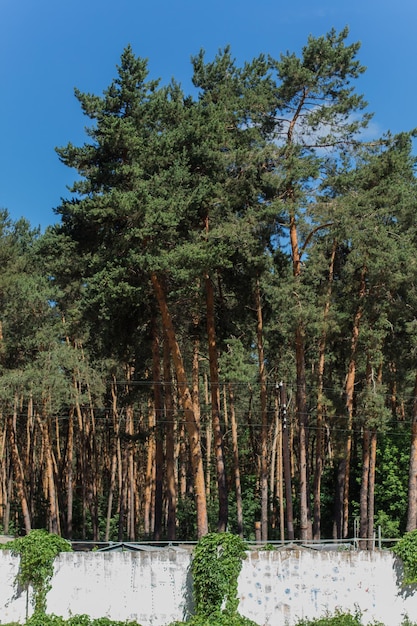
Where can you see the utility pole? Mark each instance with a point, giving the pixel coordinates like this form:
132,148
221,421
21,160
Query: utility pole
286,460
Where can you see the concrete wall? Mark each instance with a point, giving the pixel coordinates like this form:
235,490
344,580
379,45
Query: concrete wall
275,588
282,587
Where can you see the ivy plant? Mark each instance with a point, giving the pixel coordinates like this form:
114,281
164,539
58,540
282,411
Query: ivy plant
216,565
406,549
37,551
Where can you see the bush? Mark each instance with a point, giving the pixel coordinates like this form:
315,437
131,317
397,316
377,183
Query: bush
76,620
406,549
338,619
218,619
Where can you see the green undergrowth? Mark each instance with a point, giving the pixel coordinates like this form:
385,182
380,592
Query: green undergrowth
338,619
217,619
75,620
222,619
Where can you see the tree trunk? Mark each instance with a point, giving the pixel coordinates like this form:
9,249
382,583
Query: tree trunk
113,467
187,405
301,395
319,461
209,438
338,498
69,474
131,477
363,524
371,491
149,473
159,432
215,408
275,475
53,514
236,468
286,463
350,387
305,523
171,489
19,478
264,416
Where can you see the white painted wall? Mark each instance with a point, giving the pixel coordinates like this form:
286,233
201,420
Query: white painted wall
275,588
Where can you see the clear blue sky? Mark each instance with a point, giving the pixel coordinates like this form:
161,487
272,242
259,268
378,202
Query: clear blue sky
48,47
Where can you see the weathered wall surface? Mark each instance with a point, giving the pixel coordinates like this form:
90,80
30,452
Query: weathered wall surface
275,588
282,587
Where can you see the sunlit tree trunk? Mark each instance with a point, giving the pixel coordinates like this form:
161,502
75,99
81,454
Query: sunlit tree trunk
264,416
53,512
149,472
319,460
187,405
113,469
159,433
286,462
236,468
215,408
69,478
19,478
349,393
275,468
371,488
209,438
171,487
363,524
131,495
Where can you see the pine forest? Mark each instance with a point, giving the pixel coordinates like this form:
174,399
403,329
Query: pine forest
220,331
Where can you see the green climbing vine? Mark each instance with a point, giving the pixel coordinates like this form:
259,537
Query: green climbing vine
216,565
406,549
37,552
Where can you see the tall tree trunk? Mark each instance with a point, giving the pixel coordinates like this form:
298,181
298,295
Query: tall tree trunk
349,390
305,523
274,471
82,455
338,498
113,467
371,489
171,490
367,491
236,468
159,432
363,517
301,394
215,408
187,405
19,478
69,474
150,474
131,477
412,470
264,416
319,461
286,462
53,514
209,438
